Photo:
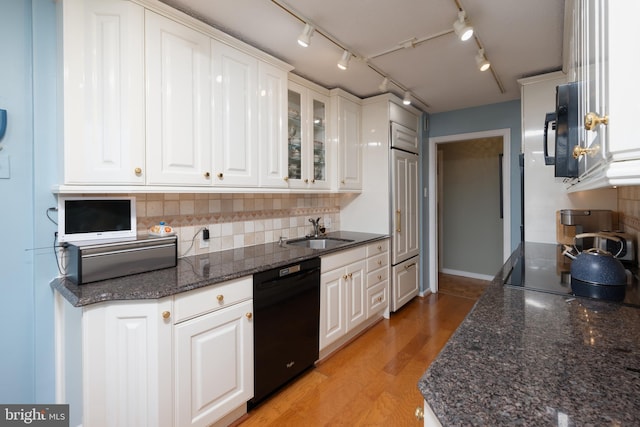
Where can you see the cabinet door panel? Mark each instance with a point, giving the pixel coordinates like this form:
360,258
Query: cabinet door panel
235,116
405,283
103,55
213,365
272,135
178,107
356,298
332,300
405,205
349,142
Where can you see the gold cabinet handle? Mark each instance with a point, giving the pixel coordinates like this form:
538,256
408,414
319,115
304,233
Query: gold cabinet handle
166,314
207,174
138,171
220,298
342,182
306,181
398,221
419,413
220,175
379,298
379,276
593,120
379,247
286,178
408,266
313,181
579,151
249,315
350,275
379,262
345,277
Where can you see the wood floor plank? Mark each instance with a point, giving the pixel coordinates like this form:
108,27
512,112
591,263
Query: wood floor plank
373,380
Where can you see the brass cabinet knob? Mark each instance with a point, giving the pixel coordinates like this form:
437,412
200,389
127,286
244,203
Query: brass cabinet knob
249,315
220,298
593,120
220,175
379,299
306,181
138,171
379,247
207,174
342,182
344,277
350,275
419,413
379,276
579,151
379,262
286,178
166,314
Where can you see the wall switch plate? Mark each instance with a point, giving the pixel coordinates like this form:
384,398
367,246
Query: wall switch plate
5,172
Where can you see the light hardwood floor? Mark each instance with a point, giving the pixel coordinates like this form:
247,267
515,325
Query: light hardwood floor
373,380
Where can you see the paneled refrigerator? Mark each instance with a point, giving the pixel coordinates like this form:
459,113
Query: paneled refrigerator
389,202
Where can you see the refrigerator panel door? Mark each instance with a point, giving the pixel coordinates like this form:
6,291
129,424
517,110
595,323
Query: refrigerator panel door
404,138
405,284
405,209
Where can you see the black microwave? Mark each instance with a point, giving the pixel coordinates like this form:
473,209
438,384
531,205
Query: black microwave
565,122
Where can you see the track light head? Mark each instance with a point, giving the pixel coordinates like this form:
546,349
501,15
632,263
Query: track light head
384,86
462,28
305,37
343,64
407,98
481,60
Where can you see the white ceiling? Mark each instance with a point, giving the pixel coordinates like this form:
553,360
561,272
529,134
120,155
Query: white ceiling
521,38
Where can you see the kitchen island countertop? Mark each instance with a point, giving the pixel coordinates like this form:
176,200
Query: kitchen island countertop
537,359
197,271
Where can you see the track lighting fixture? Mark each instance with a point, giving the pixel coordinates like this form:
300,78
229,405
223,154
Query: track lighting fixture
462,27
305,37
384,86
407,98
481,60
343,64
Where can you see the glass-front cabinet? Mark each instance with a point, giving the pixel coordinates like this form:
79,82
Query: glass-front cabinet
307,138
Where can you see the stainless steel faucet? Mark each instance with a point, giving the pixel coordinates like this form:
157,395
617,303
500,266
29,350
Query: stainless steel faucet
316,226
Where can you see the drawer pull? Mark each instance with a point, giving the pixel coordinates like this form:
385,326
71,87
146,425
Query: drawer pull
220,175
408,266
379,262
220,298
249,315
166,314
138,171
379,276
379,247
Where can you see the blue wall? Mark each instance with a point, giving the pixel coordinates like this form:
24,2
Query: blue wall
27,264
478,119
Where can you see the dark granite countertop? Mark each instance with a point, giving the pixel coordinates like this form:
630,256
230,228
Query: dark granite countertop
200,270
538,359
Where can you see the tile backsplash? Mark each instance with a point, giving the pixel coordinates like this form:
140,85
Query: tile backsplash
235,220
629,208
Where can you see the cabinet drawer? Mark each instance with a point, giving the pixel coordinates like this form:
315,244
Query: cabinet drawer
377,298
378,261
200,301
340,259
377,247
375,277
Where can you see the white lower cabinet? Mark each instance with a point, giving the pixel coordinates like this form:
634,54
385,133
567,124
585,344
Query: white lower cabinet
126,364
185,360
213,364
405,283
353,293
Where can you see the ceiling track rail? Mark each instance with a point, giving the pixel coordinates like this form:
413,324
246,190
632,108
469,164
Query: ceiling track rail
355,55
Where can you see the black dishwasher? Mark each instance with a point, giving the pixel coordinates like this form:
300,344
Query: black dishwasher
286,309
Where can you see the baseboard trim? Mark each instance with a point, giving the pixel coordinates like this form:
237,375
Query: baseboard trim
467,274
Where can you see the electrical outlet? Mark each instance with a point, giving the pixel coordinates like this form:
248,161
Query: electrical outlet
204,243
327,222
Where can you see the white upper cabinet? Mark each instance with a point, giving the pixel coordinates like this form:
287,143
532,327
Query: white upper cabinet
272,127
307,137
606,71
103,92
346,119
235,116
178,103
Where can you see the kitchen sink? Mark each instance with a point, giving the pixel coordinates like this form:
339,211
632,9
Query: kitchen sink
319,242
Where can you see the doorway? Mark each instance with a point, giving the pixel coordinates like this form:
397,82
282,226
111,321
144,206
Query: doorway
470,209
